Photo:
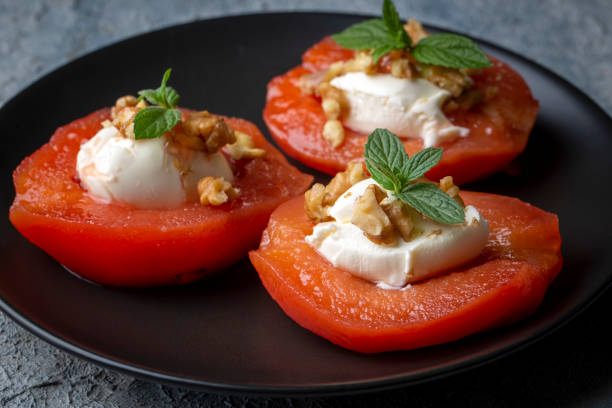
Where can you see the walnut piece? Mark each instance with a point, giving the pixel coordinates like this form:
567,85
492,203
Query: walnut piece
212,130
308,82
453,80
361,62
399,216
401,68
335,69
124,121
329,92
331,108
342,181
415,30
333,132
313,203
447,185
371,218
215,191
123,114
122,102
319,198
244,148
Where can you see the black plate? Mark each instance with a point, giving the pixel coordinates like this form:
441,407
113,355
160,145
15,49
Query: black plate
225,333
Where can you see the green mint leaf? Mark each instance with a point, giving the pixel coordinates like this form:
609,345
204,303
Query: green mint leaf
164,96
383,175
361,36
433,203
153,121
450,50
383,35
150,95
172,97
385,156
395,26
162,91
165,79
420,163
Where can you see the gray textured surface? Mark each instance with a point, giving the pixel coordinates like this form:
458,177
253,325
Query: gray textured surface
570,38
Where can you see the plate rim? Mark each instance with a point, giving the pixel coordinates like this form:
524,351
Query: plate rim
328,389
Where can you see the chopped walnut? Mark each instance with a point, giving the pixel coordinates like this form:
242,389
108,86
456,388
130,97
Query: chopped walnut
215,191
211,130
333,132
401,68
335,69
326,91
244,148
124,112
309,82
313,203
453,80
370,217
447,185
333,100
122,102
180,136
342,181
331,108
399,216
361,62
415,30
319,198
124,121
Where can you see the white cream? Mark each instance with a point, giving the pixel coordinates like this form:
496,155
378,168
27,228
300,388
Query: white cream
144,173
434,248
410,108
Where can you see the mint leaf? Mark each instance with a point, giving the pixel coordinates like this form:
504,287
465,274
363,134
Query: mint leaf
364,35
433,203
163,92
150,95
165,79
383,175
420,163
172,97
382,35
385,158
164,96
387,34
390,166
394,25
153,121
450,50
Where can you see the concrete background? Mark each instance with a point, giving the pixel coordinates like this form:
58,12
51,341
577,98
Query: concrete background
570,38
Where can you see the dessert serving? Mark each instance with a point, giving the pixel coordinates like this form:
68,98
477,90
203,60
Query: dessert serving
148,194
396,261
431,90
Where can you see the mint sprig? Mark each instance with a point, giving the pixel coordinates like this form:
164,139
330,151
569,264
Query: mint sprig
383,35
390,166
387,34
154,121
450,50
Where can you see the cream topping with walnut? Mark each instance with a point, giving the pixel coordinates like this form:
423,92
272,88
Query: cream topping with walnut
373,235
167,171
362,113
